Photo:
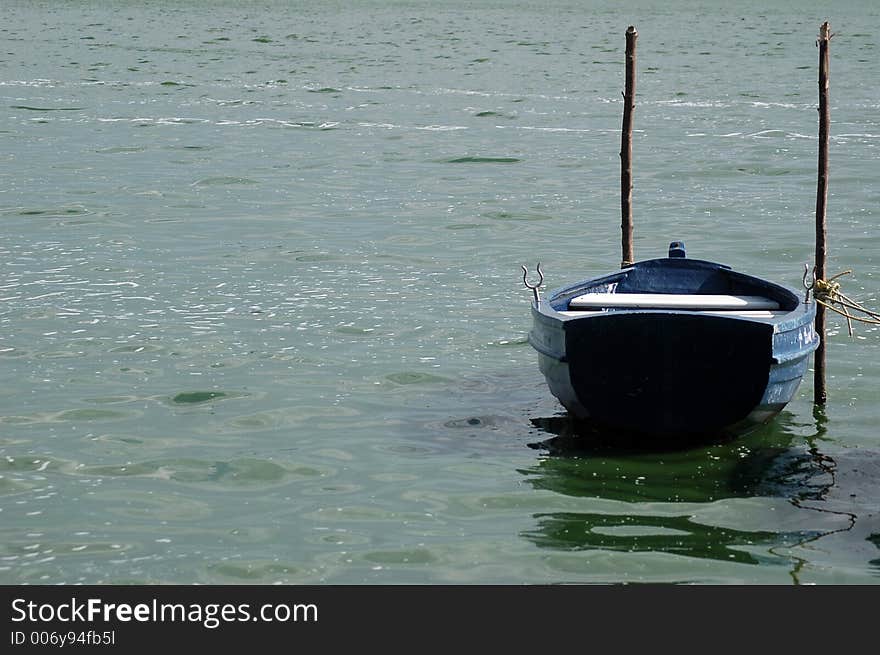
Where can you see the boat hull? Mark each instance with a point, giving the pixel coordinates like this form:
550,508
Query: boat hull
668,372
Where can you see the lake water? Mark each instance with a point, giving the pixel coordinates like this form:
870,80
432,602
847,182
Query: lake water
261,311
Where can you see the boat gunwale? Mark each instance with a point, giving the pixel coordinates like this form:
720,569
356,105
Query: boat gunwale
563,295
782,322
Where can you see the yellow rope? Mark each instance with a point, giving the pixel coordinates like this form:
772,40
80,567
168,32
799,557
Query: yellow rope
828,294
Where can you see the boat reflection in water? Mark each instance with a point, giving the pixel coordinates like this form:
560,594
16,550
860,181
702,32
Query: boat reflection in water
665,501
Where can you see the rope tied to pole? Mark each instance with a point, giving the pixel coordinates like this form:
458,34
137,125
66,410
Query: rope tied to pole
828,294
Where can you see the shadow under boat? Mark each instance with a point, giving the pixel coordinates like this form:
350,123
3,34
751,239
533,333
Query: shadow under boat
582,460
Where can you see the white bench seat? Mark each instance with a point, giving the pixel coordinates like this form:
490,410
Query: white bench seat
734,314
681,301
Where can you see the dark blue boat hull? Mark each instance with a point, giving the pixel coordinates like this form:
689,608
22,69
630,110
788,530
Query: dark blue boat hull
670,372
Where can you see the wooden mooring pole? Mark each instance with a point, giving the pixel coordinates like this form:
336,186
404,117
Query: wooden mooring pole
820,395
626,185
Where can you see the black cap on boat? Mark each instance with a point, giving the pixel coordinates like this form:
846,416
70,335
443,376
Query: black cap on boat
676,249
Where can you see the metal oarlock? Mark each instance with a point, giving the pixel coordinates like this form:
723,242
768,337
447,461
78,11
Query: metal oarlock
812,285
534,287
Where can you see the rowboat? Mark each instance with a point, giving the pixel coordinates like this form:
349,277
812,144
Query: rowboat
673,347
